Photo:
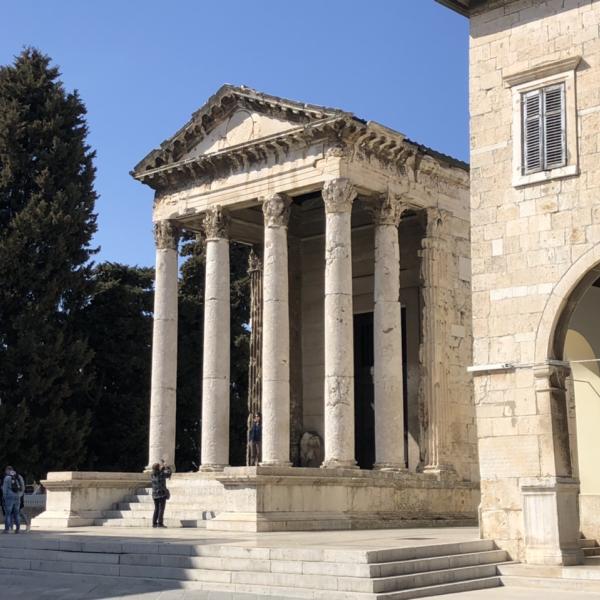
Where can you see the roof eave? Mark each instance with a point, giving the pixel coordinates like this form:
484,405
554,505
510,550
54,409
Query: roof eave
461,8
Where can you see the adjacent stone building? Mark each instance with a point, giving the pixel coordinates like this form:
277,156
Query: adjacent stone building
535,231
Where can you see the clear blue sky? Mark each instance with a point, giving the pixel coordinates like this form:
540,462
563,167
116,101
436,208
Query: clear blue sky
142,67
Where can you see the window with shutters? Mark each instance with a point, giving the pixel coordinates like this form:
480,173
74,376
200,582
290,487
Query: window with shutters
544,122
544,136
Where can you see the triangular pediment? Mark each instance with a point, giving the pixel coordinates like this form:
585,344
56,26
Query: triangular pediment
242,126
233,116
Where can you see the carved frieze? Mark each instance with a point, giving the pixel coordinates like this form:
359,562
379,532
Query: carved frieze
338,195
166,235
276,210
216,223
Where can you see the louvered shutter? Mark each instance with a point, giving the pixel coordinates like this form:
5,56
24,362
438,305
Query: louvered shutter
554,127
532,131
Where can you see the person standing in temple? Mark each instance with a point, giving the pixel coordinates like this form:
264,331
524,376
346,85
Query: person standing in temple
160,493
255,440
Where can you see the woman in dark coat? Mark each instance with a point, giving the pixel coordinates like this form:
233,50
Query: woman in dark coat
160,493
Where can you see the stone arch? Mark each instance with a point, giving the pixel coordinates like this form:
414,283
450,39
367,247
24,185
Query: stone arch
553,325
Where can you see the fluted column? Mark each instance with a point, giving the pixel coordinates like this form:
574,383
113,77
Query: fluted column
255,359
434,380
216,364
387,337
276,334
163,388
338,196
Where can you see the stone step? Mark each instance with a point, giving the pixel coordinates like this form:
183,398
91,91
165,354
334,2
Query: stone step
265,578
586,543
589,552
147,522
173,511
446,588
438,563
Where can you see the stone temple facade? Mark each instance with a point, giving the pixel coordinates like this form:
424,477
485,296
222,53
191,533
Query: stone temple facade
361,237
535,231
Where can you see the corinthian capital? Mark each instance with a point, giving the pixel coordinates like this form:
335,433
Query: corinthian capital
276,209
216,223
166,235
386,210
338,195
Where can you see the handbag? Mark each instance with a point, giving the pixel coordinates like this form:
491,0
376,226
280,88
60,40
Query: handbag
168,494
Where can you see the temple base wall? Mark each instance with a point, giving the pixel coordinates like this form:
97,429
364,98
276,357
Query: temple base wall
278,499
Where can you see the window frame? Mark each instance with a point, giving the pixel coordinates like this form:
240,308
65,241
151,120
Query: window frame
542,124
559,73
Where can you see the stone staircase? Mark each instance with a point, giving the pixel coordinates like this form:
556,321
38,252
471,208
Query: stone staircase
580,578
137,510
281,572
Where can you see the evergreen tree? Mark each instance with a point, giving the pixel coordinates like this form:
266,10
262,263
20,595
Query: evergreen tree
189,370
118,321
46,224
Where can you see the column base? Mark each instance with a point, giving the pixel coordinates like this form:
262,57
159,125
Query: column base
274,463
395,467
211,468
339,464
440,470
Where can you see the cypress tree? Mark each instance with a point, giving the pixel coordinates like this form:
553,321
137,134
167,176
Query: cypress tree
46,224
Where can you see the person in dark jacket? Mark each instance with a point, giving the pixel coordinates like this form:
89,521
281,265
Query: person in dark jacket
160,493
255,440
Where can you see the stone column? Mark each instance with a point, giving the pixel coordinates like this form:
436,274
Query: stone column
163,388
216,360
434,384
338,196
255,359
276,335
551,501
387,337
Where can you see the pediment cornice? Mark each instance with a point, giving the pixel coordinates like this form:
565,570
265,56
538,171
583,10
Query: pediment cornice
341,133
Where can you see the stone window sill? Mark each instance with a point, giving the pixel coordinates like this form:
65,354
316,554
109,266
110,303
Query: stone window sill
542,176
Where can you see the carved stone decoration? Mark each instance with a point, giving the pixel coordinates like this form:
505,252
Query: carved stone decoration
338,195
216,223
276,210
166,235
387,209
311,450
255,359
339,151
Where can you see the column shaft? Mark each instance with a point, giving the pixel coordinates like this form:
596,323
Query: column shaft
163,387
255,359
276,335
216,359
387,339
338,196
434,383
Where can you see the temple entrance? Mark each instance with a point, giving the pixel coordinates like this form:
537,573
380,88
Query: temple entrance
364,396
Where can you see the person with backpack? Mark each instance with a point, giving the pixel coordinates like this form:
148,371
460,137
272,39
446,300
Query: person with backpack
160,493
13,487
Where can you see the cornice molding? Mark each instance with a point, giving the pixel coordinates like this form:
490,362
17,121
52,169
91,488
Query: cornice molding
546,69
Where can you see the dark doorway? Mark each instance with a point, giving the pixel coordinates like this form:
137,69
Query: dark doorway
364,395
364,415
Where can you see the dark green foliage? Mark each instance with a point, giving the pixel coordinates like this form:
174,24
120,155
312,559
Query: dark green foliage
46,223
189,374
118,321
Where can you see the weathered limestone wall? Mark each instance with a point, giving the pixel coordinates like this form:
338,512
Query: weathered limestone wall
524,239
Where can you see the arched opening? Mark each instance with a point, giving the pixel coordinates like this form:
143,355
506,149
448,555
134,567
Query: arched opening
582,350
569,331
